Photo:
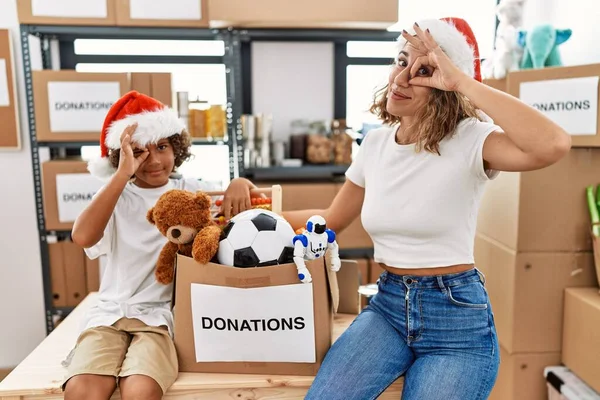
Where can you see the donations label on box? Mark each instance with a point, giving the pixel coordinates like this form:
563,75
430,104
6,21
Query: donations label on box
69,8
80,106
74,192
572,103
264,324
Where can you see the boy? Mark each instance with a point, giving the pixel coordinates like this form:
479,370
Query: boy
127,337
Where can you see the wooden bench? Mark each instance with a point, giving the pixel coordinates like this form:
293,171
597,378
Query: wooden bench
39,376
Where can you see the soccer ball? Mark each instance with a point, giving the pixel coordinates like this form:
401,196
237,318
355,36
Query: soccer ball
256,238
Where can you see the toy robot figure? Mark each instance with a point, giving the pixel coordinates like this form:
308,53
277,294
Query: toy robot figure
312,244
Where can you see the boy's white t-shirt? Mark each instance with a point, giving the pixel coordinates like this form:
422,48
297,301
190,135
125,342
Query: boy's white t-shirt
420,208
131,244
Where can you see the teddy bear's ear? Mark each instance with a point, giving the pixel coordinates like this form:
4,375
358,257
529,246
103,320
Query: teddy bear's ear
202,199
150,216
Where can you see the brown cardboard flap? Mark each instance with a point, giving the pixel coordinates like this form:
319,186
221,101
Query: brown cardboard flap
348,282
334,290
50,170
188,272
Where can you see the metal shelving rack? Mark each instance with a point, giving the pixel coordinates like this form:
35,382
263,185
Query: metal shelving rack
46,33
236,82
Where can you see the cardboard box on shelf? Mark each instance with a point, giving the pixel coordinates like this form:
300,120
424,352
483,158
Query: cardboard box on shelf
499,84
10,138
68,188
581,338
156,85
544,210
67,12
568,95
58,277
74,260
67,273
526,292
311,14
253,320
72,106
521,376
172,13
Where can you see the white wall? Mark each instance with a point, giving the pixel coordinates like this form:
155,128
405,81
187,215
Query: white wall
21,291
292,81
582,16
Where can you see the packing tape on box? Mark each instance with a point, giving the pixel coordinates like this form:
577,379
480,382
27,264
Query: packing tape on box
248,282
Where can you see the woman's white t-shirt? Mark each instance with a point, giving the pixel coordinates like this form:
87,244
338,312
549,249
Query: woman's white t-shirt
131,244
420,208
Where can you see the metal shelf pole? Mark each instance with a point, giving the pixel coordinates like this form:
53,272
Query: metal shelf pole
37,175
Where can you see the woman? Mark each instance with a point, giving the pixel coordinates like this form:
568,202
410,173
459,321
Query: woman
418,182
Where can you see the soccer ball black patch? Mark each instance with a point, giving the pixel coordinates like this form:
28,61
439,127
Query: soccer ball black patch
256,238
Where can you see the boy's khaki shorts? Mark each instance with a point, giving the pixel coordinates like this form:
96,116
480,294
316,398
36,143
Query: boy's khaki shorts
128,347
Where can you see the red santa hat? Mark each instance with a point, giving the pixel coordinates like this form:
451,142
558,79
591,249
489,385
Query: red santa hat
155,121
455,37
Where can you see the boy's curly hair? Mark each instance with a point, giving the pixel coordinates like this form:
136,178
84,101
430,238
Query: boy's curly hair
181,143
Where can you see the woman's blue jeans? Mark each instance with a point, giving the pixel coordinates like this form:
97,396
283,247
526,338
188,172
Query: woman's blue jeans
437,331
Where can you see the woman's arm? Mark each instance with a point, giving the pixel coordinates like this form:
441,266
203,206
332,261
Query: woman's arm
530,140
343,210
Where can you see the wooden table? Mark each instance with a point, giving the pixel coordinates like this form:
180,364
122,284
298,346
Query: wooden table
39,376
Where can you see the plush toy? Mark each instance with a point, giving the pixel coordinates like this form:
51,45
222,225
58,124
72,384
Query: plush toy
541,46
185,219
312,243
507,52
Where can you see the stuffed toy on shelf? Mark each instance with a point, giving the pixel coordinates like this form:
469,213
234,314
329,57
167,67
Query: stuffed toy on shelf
185,219
507,52
541,46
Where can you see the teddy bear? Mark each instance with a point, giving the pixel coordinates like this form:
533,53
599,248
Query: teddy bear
185,219
507,52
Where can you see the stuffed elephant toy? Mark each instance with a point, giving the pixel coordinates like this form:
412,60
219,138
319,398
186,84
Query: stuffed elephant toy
541,46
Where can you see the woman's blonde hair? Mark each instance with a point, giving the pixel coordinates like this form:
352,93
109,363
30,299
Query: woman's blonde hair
434,121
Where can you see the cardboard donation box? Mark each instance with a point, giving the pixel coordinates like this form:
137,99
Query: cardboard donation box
67,12
253,320
171,13
581,334
567,95
358,14
68,188
71,106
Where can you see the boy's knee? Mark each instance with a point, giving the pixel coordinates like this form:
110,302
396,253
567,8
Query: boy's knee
90,387
138,387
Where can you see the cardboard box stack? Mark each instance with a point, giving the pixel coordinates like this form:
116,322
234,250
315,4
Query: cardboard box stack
533,242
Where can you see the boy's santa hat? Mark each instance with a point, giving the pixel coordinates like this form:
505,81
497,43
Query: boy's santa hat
155,121
456,39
